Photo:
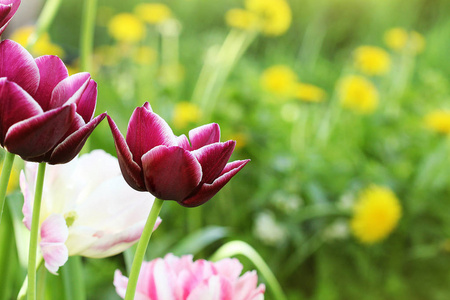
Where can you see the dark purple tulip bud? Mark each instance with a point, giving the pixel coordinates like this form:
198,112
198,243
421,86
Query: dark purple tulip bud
7,10
153,159
45,114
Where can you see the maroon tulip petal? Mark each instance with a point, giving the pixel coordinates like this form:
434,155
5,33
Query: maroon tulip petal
213,159
37,135
88,101
131,171
7,12
18,66
147,106
171,173
147,130
52,71
4,12
69,90
204,135
15,105
207,191
73,144
183,142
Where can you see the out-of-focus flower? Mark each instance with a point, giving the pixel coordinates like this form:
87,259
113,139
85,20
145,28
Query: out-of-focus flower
87,209
13,182
438,121
153,159
375,214
399,39
43,45
274,16
125,27
144,55
153,13
268,230
181,278
7,10
279,80
186,113
372,60
309,93
242,19
358,94
46,114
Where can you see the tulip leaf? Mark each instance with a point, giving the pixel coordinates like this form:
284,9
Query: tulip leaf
200,239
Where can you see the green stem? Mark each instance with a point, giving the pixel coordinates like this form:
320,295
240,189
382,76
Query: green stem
241,248
73,279
46,17
34,234
23,290
87,34
141,248
4,180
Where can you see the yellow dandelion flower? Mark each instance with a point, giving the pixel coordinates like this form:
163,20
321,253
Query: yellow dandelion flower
372,60
126,27
399,39
186,113
43,45
358,94
153,13
375,214
438,121
279,80
241,18
274,16
144,55
309,93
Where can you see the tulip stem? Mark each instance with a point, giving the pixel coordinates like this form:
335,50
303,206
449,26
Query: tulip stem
87,34
35,233
4,180
241,248
141,248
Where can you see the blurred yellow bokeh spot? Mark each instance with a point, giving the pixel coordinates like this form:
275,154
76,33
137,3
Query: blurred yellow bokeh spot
399,39
309,93
372,60
153,13
279,80
125,27
43,45
186,113
438,121
241,18
358,94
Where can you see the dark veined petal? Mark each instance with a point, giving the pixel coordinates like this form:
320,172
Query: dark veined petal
147,130
15,105
37,135
131,171
183,142
7,11
204,135
213,159
18,66
69,90
72,145
171,173
52,71
88,101
207,191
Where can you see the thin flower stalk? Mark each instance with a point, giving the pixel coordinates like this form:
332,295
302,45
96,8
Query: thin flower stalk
141,248
4,180
44,21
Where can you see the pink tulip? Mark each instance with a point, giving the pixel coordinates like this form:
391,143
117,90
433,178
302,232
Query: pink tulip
45,114
7,10
87,209
153,159
174,278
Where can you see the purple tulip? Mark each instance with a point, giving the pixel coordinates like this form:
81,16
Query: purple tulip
45,114
153,159
7,10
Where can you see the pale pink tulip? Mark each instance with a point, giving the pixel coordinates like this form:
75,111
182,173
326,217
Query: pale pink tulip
87,209
181,278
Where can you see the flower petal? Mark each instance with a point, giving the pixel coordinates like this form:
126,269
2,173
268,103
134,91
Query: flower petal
18,66
7,11
72,145
51,71
171,173
15,105
207,191
213,159
204,135
121,283
69,90
147,130
131,171
88,101
37,135
54,233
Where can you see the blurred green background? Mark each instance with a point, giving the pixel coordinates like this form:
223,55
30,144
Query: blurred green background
322,119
